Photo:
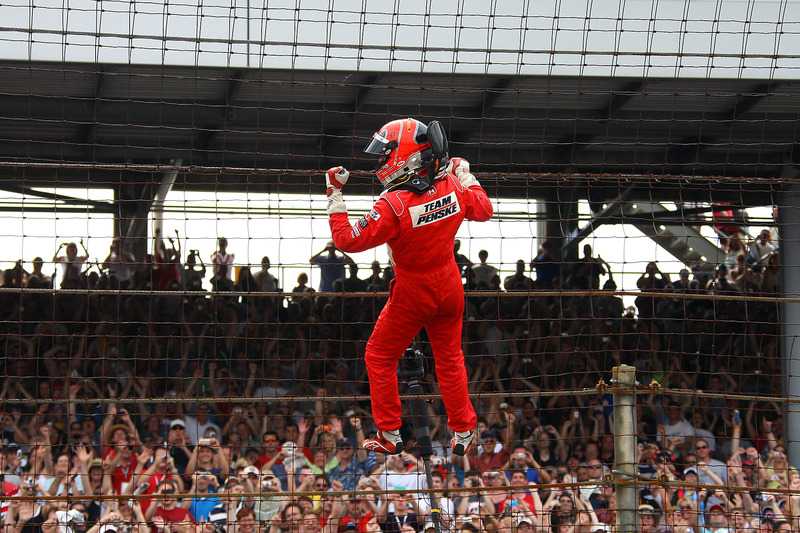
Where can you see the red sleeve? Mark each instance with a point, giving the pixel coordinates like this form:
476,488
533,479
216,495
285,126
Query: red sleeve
373,229
479,207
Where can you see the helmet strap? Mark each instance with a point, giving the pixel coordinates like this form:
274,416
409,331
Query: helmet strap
410,182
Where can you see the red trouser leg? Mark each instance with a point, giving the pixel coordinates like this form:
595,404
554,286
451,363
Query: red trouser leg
444,331
394,330
437,303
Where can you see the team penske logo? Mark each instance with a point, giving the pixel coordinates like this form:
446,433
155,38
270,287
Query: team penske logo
435,210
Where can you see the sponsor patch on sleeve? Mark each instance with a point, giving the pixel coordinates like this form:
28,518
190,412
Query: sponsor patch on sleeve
434,211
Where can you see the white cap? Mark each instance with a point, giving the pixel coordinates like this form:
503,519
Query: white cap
251,470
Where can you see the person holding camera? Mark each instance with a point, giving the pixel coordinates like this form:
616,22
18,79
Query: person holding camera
160,470
165,513
711,471
192,274
25,515
520,500
522,459
397,510
472,499
204,488
207,456
270,500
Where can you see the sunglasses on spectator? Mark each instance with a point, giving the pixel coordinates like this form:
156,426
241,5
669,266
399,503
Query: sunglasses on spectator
700,447
269,439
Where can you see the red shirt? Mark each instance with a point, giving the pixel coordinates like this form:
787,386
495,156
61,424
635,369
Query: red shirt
123,473
9,489
528,499
495,463
174,515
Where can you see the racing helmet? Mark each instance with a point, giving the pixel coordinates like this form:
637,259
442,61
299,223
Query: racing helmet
406,148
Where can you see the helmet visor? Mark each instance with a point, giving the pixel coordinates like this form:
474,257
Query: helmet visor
378,145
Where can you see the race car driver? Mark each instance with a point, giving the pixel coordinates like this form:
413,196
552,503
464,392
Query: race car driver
417,216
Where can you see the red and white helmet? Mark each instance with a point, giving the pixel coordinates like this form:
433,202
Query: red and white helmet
404,150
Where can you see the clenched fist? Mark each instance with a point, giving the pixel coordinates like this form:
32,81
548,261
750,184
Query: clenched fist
460,168
335,178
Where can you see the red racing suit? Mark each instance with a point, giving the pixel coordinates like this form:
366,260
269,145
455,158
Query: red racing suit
419,230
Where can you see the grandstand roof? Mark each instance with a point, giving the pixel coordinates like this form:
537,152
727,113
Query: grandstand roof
240,129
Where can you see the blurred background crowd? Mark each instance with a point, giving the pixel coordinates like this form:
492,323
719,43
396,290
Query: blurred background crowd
242,408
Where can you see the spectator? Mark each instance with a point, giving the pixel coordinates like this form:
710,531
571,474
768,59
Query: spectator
484,272
197,426
165,260
398,510
648,518
546,266
270,501
587,271
160,470
348,464
653,280
676,432
120,263
204,488
462,260
265,281
352,283
222,261
331,266
245,520
760,249
518,281
207,456
165,512
193,275
223,515
71,264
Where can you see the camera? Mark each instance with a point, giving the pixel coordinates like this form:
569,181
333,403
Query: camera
204,442
503,406
520,455
776,454
212,435
266,483
30,482
141,488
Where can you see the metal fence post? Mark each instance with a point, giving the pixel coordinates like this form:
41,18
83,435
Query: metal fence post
625,457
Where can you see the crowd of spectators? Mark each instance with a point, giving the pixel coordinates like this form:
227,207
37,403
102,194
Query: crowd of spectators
241,409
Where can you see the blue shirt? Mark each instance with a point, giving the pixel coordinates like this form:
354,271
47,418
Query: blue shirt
331,268
201,507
